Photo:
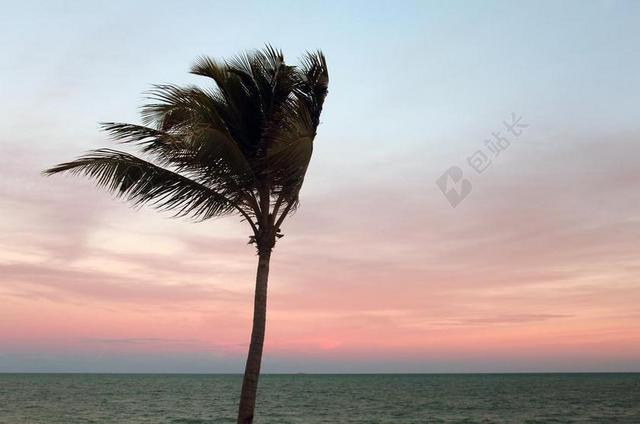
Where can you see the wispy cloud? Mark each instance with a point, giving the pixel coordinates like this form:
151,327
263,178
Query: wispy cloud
143,340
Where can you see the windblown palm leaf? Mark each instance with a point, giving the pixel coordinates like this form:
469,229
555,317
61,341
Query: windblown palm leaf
242,145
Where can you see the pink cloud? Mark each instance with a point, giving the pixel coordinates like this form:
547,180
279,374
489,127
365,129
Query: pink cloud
538,264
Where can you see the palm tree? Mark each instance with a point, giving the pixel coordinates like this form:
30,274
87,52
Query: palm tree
240,147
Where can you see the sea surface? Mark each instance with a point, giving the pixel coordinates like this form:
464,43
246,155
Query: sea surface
315,399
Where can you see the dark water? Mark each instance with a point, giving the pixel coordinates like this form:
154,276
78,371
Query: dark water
313,399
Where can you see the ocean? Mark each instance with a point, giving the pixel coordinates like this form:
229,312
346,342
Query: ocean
315,399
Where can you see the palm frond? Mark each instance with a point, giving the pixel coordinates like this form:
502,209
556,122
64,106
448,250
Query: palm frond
242,145
142,182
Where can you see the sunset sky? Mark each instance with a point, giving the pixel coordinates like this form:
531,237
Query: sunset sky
537,269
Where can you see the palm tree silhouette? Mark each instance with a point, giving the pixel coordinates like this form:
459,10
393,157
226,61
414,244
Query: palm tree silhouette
241,147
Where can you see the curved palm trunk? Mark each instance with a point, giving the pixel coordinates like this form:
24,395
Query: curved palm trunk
254,358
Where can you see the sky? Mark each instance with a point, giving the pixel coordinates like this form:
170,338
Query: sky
536,268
